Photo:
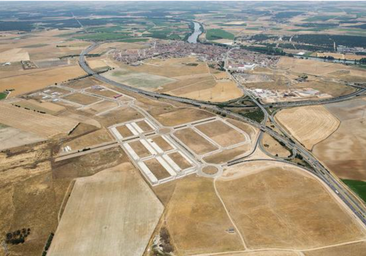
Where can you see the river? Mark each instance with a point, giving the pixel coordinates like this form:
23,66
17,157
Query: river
197,32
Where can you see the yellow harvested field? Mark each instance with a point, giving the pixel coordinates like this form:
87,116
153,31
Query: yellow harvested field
277,205
262,253
38,79
97,63
196,220
221,133
43,125
113,212
14,55
309,125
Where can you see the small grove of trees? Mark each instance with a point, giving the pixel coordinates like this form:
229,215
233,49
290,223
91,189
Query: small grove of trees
363,61
18,236
48,244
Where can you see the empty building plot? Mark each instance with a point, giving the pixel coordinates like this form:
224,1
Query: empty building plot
157,169
194,141
100,107
163,143
124,131
145,125
223,134
81,99
181,160
103,92
139,149
126,210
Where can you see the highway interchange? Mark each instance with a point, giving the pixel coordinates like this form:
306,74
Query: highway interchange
318,169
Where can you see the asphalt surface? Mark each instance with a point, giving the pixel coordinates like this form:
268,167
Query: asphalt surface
318,169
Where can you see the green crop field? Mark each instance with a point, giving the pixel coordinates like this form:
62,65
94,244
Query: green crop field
214,34
3,95
359,187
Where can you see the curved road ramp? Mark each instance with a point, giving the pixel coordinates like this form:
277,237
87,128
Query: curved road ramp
113,212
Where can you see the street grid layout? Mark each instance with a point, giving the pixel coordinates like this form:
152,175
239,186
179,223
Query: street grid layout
153,148
160,146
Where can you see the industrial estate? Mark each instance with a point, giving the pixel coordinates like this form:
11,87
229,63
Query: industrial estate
183,128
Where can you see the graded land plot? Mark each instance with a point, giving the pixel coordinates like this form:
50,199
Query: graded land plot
174,67
196,219
273,201
40,106
262,253
180,160
157,169
354,249
11,137
82,83
274,147
101,107
221,133
181,116
81,99
126,209
162,143
31,80
139,80
27,197
144,126
124,131
247,128
119,115
309,125
219,92
43,125
228,154
139,149
89,140
194,141
103,92
319,68
14,55
344,152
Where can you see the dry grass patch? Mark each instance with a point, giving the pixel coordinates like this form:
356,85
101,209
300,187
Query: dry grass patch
228,154
80,98
126,209
221,133
355,249
139,149
180,160
181,116
309,125
38,79
194,141
274,147
196,219
43,125
273,201
157,169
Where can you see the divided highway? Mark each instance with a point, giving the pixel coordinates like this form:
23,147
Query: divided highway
318,169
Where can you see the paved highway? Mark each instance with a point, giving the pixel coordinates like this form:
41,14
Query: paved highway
318,169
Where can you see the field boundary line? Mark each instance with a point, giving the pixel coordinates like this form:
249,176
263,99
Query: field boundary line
227,212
